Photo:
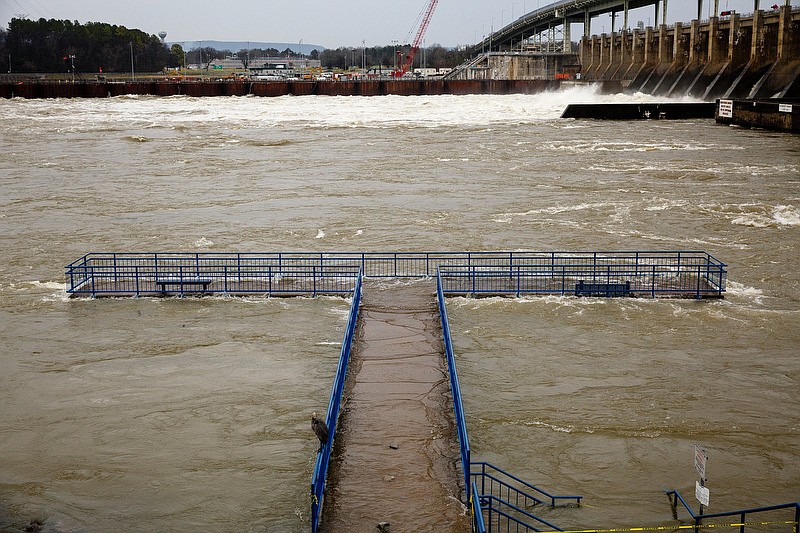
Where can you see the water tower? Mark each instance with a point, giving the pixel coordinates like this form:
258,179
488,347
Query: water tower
163,35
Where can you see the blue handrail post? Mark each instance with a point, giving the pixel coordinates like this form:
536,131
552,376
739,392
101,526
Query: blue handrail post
472,276
653,282
699,272
797,518
478,524
94,293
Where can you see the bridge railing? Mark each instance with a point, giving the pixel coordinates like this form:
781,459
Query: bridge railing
332,417
742,514
651,273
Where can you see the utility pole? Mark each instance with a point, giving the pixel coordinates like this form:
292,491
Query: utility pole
133,73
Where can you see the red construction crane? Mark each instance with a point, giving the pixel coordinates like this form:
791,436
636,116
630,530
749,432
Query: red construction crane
423,27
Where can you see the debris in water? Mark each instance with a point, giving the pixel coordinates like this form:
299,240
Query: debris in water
320,430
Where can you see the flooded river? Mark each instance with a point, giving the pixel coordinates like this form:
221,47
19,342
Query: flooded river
192,414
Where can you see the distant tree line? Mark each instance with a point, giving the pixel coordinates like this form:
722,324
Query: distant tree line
435,56
53,45
56,45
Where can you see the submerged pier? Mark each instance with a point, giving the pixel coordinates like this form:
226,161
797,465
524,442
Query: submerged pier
394,459
398,456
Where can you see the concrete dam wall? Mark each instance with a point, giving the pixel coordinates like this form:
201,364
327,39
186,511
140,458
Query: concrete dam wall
724,57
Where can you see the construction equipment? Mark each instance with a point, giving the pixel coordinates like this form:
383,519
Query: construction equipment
423,27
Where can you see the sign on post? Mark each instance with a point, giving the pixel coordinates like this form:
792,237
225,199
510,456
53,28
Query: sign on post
700,459
701,493
700,490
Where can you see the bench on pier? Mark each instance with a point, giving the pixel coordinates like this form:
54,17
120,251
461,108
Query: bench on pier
608,290
183,285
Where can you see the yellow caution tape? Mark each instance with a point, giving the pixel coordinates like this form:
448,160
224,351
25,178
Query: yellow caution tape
675,528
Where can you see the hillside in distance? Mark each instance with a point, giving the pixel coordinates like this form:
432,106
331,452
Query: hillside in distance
235,46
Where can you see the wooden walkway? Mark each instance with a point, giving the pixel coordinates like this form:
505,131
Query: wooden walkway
395,459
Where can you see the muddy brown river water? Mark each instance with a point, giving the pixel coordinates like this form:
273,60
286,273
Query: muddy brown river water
192,414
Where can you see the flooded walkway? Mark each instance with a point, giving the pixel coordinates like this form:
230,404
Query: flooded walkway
395,456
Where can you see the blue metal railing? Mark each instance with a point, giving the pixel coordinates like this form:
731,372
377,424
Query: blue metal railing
497,487
332,417
478,523
455,388
507,499
650,273
496,481
671,274
508,516
741,514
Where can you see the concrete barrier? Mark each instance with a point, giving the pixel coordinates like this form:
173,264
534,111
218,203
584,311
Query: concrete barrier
640,111
269,88
403,87
770,115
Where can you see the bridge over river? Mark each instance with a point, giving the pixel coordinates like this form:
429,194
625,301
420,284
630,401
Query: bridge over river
397,456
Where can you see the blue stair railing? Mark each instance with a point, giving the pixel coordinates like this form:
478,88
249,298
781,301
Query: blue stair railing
742,514
507,499
497,481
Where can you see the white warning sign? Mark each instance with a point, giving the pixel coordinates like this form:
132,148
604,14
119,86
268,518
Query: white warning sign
701,493
700,459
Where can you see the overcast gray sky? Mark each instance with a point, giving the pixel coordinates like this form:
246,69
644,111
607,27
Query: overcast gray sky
323,22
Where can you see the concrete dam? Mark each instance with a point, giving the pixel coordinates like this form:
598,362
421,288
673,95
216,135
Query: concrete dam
731,56
723,57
